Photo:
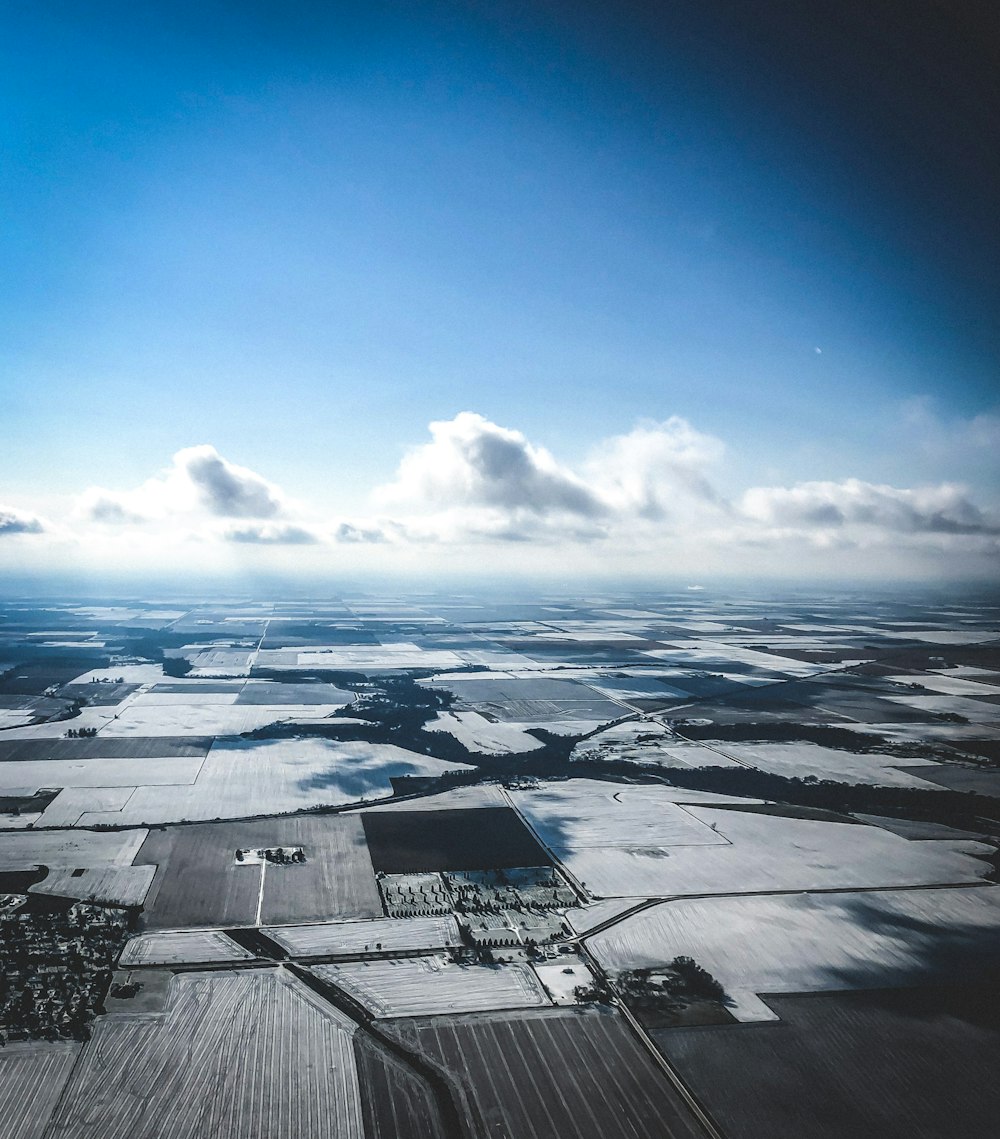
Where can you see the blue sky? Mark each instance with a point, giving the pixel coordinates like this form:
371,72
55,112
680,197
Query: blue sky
303,236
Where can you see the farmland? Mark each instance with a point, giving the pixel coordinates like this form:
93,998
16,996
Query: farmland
350,939
405,866
253,1053
336,880
416,986
555,1074
899,1064
32,1077
473,839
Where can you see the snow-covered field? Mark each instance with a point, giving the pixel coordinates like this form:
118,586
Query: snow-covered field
382,935
241,778
419,986
482,735
189,946
805,943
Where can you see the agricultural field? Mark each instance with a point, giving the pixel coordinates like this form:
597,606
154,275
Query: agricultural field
336,880
483,838
32,1078
800,793
419,986
553,1075
182,947
273,1061
697,848
397,1102
108,886
357,938
890,1064
806,942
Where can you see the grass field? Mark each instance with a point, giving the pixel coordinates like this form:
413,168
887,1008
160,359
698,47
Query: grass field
336,879
902,1064
554,1075
32,1077
251,1054
476,839
420,986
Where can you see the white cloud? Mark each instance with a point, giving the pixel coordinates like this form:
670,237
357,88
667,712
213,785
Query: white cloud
199,480
272,534
481,497
13,521
944,509
472,462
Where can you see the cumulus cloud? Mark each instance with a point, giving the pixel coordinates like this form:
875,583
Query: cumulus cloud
477,480
473,462
348,532
655,467
199,479
272,535
944,509
14,521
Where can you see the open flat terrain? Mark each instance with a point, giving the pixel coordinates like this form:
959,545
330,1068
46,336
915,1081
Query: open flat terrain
898,1064
418,986
199,882
32,1078
554,1075
253,1054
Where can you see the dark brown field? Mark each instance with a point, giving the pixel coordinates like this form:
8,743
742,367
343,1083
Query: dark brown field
200,884
554,1075
888,1064
100,747
396,1103
482,838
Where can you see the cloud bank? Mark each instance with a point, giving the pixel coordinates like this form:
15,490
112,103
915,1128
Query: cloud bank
479,493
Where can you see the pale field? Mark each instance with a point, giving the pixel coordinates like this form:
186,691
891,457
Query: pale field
799,760
420,986
767,852
696,656
15,717
459,798
482,735
807,943
584,918
112,886
949,685
582,814
70,848
193,719
977,711
561,978
399,655
32,1077
33,774
181,947
153,698
252,1054
350,938
242,778
71,803
130,674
